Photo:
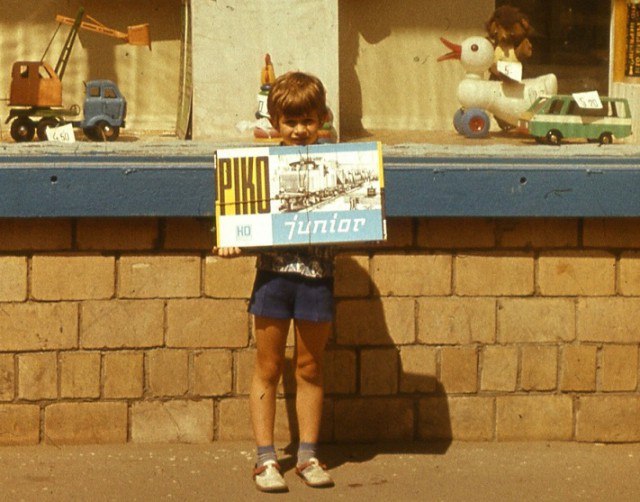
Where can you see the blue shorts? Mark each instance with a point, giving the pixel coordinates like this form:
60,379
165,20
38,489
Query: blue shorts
290,296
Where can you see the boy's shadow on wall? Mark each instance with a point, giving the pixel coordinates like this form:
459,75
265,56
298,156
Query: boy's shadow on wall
369,396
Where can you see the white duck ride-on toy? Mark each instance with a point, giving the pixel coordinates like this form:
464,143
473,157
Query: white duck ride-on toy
505,99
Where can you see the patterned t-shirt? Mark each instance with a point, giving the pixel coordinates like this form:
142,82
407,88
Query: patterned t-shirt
313,261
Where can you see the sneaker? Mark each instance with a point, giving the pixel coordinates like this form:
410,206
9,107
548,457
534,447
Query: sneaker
314,474
268,478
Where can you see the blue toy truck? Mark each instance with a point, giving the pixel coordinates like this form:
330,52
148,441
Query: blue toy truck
105,109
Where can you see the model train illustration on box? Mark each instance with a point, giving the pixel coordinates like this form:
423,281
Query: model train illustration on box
308,182
286,195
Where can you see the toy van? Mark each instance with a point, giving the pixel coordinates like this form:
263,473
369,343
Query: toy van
553,118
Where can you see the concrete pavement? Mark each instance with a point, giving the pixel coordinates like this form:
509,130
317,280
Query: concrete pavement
220,471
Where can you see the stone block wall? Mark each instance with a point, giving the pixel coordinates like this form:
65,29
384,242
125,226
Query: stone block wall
116,330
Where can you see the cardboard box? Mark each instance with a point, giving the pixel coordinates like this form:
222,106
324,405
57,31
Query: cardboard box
283,196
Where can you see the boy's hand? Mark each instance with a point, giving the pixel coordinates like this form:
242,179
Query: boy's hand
227,252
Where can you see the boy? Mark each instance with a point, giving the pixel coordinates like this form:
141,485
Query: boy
291,283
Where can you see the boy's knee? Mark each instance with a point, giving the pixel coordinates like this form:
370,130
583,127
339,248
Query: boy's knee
270,370
309,371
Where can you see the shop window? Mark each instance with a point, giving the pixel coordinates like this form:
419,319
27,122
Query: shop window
571,39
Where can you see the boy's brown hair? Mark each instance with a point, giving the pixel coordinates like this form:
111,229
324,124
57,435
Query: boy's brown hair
294,94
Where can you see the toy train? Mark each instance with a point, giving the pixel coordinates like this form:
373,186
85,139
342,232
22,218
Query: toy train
306,183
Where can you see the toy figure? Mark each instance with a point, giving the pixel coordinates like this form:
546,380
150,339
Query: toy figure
267,78
509,31
506,100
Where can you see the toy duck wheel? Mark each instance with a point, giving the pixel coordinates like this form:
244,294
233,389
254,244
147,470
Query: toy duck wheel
475,123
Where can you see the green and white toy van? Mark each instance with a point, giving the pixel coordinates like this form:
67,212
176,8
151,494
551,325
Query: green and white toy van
554,118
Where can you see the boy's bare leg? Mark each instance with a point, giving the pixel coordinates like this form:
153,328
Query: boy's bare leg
271,340
311,339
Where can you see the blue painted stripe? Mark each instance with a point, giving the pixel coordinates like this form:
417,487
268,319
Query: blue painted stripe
121,185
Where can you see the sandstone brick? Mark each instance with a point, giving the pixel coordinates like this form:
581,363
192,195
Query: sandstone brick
38,326
85,423
212,372
100,234
399,234
494,274
418,369
123,375
537,232
229,277
7,377
13,278
122,324
373,419
629,267
234,420
539,368
460,418
456,320
244,362
459,369
378,371
37,376
188,234
167,372
339,371
612,320
499,368
79,374
578,363
72,277
472,418
619,368
205,323
384,321
35,234
168,276
536,320
19,424
611,232
352,276
434,418
536,418
411,274
456,233
608,418
172,421
572,273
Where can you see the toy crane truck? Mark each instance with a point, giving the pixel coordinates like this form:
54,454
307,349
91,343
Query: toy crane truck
36,90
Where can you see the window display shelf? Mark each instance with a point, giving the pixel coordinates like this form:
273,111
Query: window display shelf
421,180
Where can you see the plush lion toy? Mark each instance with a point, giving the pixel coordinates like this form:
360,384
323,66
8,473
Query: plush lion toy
509,31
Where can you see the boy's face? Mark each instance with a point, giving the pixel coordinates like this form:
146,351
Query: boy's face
299,129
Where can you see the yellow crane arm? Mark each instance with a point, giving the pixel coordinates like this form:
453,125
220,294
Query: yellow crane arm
136,35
